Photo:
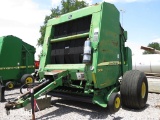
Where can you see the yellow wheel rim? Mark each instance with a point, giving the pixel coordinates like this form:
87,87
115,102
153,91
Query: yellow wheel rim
10,85
117,102
143,90
29,80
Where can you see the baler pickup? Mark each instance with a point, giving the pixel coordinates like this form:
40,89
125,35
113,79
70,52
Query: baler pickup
44,87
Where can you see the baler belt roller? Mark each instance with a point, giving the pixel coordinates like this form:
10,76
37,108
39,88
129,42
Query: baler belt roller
72,37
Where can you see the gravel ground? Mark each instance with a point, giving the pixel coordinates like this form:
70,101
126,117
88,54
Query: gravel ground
73,110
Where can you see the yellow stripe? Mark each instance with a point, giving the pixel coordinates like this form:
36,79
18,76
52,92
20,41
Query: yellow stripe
18,67
22,66
109,63
94,77
31,66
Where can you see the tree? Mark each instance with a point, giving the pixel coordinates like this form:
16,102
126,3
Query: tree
154,45
66,6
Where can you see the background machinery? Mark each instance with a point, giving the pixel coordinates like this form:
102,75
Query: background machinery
16,61
148,63
83,57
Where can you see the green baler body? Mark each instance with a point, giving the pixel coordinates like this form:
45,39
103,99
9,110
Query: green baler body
16,58
65,35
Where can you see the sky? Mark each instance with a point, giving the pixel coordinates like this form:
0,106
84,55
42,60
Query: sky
23,18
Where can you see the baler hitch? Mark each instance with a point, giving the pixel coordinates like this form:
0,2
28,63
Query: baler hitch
13,104
44,87
9,106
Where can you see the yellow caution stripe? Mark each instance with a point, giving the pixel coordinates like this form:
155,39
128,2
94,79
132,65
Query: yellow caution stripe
17,67
94,77
109,63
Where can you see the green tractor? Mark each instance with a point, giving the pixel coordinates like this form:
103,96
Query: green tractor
83,57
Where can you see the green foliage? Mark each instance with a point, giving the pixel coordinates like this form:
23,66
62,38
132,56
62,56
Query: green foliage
154,45
66,6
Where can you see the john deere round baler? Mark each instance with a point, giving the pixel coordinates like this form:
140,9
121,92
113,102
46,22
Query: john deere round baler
83,57
16,59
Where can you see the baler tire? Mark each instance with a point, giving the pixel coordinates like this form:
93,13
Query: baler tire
114,103
134,89
9,85
27,79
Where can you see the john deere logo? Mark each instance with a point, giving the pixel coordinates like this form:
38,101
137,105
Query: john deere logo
70,16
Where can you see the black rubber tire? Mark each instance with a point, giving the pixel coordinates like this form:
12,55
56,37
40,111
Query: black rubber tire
113,102
25,77
131,89
9,85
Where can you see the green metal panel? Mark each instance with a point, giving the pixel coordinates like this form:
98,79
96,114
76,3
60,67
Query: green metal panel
74,15
70,37
16,58
8,59
1,43
45,56
72,67
108,48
